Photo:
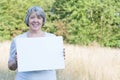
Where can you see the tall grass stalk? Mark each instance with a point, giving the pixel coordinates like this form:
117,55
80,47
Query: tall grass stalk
82,63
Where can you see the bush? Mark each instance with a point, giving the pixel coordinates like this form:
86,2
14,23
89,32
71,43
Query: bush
87,21
78,21
12,13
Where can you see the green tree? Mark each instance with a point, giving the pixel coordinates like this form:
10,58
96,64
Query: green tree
12,14
89,20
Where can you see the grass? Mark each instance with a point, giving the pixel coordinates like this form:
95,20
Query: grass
82,63
5,74
92,63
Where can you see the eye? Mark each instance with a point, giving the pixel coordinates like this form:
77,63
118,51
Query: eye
32,17
39,17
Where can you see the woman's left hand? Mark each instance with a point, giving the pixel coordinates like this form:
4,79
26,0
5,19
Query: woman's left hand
64,52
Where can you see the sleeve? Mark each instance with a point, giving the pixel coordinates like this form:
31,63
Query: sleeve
12,50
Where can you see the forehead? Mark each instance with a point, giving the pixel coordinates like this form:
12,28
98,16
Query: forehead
35,13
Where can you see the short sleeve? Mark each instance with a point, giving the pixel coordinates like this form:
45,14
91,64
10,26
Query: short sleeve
13,46
12,50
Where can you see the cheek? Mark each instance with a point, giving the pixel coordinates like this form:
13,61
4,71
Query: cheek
42,21
30,21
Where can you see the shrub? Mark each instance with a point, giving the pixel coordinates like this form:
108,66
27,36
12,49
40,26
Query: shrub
12,13
87,21
78,21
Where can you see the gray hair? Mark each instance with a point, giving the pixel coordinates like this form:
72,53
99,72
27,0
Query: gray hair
40,12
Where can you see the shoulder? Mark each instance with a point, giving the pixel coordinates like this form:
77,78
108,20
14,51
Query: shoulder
49,34
20,36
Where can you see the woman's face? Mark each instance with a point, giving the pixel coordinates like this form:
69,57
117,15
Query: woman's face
35,22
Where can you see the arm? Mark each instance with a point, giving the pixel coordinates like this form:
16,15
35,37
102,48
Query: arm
12,63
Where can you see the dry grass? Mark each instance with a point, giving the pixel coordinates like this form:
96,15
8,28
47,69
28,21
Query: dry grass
82,63
5,74
91,63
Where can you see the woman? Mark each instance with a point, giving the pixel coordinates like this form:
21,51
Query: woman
35,19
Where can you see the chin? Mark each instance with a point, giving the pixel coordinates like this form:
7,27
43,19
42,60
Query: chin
35,28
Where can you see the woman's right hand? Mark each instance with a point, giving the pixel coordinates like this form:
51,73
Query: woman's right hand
12,64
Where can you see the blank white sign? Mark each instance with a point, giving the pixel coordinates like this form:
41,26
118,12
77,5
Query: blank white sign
45,53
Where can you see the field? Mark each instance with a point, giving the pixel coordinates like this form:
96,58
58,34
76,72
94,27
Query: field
82,63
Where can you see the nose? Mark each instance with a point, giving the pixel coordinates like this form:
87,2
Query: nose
36,19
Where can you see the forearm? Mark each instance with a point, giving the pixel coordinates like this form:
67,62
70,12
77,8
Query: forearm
12,65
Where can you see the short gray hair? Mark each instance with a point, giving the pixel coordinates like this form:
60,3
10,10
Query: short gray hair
40,12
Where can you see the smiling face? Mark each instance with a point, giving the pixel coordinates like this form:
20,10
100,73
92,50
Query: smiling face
35,22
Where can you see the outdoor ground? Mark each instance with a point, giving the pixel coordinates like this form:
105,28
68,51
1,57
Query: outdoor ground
82,63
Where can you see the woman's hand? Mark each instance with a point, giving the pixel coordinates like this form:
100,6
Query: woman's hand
12,64
64,53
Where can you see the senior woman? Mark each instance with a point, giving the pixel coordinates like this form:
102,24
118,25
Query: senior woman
35,19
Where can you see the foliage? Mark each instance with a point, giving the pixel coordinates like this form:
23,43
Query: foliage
87,21
78,21
12,13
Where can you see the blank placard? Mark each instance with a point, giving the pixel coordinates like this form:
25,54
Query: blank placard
44,53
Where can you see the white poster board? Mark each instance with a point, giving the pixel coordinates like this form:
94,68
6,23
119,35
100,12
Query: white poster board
45,53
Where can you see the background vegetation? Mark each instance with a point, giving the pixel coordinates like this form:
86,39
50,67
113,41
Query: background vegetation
78,21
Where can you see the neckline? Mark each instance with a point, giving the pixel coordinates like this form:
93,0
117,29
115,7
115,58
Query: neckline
27,35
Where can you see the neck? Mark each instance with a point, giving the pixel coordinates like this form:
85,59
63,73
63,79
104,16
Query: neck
36,34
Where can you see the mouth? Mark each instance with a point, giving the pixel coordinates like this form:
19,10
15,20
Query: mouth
35,25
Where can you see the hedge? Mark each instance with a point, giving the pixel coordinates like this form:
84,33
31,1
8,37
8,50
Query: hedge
80,22
88,21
